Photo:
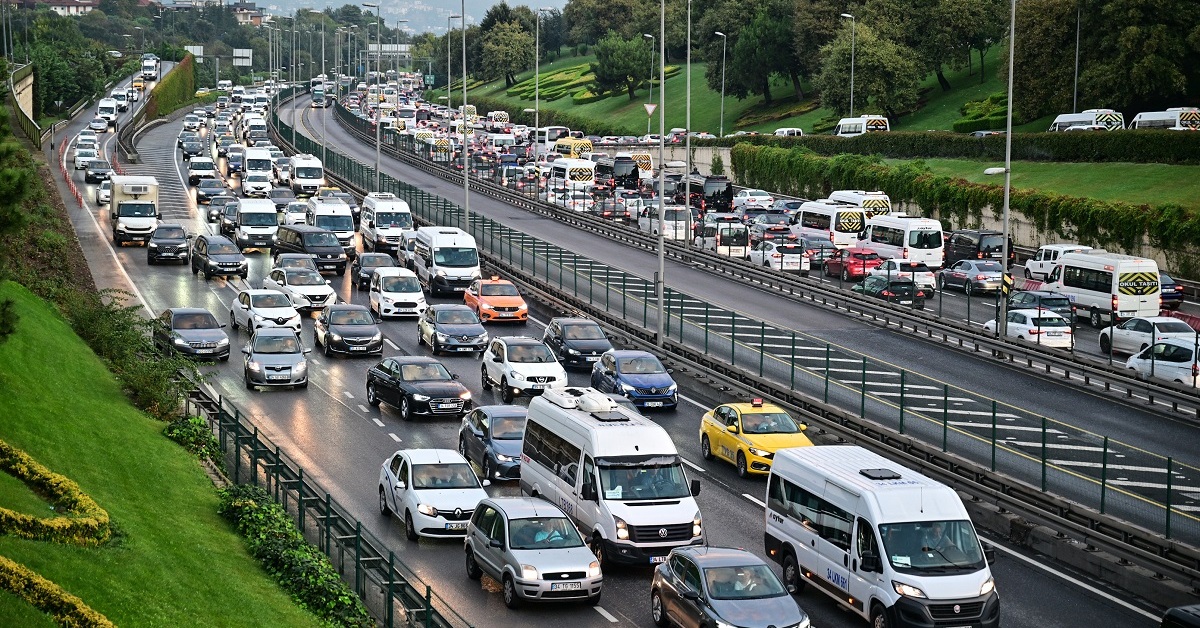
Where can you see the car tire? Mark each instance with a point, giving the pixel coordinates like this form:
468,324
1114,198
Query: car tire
233,324
594,600
384,509
372,395
342,272
405,408
845,274
941,282
303,385
483,378
879,616
473,570
195,271
410,531
326,350
249,384
597,547
791,574
1094,317
705,448
506,392
509,591
1105,345
149,260
743,469
435,347
485,468
420,338
658,611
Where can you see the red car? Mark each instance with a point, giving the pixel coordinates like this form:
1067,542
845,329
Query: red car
851,263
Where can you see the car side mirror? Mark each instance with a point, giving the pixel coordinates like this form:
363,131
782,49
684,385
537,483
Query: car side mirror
989,553
870,562
454,376
190,236
246,349
370,224
307,351
486,483
732,429
589,493
497,359
803,427
496,543
689,594
400,484
158,216
223,325
695,487
328,283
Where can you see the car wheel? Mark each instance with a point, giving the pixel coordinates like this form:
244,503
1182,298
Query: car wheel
845,275
383,505
879,617
410,531
597,547
435,346
405,408
342,272
1028,275
941,282
506,392
486,468
149,260
207,276
657,612
511,599
705,448
372,396
420,338
1105,344
483,378
249,384
594,600
1095,318
233,324
742,470
791,575
473,570
967,288
326,350
195,271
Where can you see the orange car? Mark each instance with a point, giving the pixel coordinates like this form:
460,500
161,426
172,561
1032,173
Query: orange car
496,299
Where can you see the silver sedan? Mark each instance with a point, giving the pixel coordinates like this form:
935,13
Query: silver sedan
275,357
971,276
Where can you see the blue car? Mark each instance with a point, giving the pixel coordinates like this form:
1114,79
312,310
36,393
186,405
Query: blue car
637,375
491,437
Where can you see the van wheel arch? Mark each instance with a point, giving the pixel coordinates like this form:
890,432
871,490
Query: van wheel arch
794,582
879,616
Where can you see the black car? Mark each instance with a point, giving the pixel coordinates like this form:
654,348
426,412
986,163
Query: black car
209,187
229,221
453,328
364,266
770,224
1172,292
319,243
349,329
977,244
900,291
1056,302
191,331
417,385
192,149
97,170
610,209
491,438
578,342
217,256
216,206
223,145
718,586
281,196
168,243
184,136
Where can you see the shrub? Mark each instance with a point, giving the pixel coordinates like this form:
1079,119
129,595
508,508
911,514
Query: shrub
193,433
175,90
554,117
87,523
980,115
44,595
718,165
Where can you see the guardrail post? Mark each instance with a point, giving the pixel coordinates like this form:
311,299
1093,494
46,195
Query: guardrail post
827,373
646,303
1043,454
1169,487
681,319
254,458
560,267
666,314
762,341
237,457
792,363
574,274
391,578
300,496
358,558
941,292
733,339
862,408
993,435
945,414
902,401
706,329
1104,475
328,533
275,480
624,295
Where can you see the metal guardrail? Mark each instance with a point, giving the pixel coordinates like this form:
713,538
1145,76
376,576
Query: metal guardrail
557,272
29,127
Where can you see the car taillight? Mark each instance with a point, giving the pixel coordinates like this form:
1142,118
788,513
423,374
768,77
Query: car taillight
921,294
1114,308
904,252
775,256
811,252
1195,369
979,255
887,293
981,277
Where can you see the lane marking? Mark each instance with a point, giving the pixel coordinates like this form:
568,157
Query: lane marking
348,394
605,614
364,409
394,437
692,464
391,344
755,500
378,422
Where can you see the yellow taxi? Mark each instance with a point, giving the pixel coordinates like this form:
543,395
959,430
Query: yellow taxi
495,300
749,434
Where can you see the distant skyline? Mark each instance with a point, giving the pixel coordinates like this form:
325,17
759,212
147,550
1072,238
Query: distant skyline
422,15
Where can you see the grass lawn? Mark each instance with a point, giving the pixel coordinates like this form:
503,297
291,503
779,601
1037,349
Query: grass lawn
173,560
1151,184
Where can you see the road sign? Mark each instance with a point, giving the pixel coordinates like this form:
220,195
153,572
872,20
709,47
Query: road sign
1006,284
429,79
197,51
243,57
649,108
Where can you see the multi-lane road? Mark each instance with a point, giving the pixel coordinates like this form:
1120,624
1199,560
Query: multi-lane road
340,440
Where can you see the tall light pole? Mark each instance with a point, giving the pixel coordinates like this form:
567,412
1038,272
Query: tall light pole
399,34
687,134
378,76
853,37
466,174
662,171
449,99
1002,323
139,28
724,42
650,80
1075,92
350,65
537,81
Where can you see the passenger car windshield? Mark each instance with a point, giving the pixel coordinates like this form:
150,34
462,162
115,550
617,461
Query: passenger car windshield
540,534
932,546
640,365
640,479
768,423
320,239
350,317
443,476
424,372
457,317
583,332
529,354
223,249
401,284
270,300
402,220
456,257
195,320
742,583
499,290
276,344
304,277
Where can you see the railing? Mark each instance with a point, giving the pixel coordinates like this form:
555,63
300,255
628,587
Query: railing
30,128
850,394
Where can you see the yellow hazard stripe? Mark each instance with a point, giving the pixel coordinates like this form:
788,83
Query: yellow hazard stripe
1138,283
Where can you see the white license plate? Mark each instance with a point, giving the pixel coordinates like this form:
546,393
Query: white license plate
328,266
566,586
791,264
204,350
358,348
277,377
538,386
138,239
593,358
1054,333
456,526
447,405
657,559
654,404
506,314
465,349
908,302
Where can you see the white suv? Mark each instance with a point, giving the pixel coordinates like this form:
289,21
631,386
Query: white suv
263,308
520,365
306,288
433,490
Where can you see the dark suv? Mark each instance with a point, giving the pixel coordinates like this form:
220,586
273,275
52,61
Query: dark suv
217,256
977,244
320,243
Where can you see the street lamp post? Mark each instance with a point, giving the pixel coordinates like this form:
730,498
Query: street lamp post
650,80
1002,323
378,76
687,134
449,97
466,173
724,42
537,81
1075,92
853,37
139,28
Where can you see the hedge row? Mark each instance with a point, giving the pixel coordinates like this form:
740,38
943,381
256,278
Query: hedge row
298,566
175,90
553,117
1168,147
802,172
84,521
44,595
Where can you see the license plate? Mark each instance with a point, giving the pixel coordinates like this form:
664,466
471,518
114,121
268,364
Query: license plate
654,404
538,387
358,348
1054,333
909,302
457,289
465,349
456,526
277,377
328,266
794,265
204,350
447,405
654,560
566,586
260,243
506,314
138,239
593,358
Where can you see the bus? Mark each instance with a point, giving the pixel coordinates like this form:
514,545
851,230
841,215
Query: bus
1174,119
724,234
1108,118
547,136
907,237
839,223
317,81
572,148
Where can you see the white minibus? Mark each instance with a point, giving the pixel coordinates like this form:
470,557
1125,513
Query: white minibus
839,223
907,237
873,203
572,174
1106,287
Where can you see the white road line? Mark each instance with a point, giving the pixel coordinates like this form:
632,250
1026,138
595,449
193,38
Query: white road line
912,396
1001,415
348,394
691,464
605,614
859,371
1163,487
363,409
1097,465
1024,443
394,437
378,422
1018,428
391,344
754,499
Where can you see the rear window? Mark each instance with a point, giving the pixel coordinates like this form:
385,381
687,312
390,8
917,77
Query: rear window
790,249
1049,321
913,267
1174,327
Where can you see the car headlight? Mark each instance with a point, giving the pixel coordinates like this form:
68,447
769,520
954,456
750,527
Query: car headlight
180,342
257,318
572,351
593,570
673,388
761,453
254,366
626,388
907,590
341,256
622,529
295,319
420,397
377,337
475,274
529,572
212,262
222,342
300,367
697,525
441,337
427,510
987,587
441,273
486,306
503,458
335,337
515,375
465,395
153,245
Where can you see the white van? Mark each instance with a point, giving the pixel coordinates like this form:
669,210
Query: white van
1107,118
853,127
839,223
884,541
572,174
224,85
335,215
121,95
258,161
907,237
385,221
446,259
873,203
615,473
257,223
1107,287
307,174
107,109
677,221
396,291
1173,119
1046,258
789,131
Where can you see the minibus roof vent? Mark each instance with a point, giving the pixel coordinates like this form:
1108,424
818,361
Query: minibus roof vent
879,474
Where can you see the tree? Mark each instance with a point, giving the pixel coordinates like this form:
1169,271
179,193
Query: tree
1044,60
815,24
590,20
887,75
619,63
507,49
920,25
976,25
553,30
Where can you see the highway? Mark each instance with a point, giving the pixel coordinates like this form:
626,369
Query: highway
341,441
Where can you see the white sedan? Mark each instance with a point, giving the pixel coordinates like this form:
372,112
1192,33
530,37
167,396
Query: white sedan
256,309
746,199
434,491
906,269
256,185
786,256
520,365
304,287
1041,327
1171,360
1135,334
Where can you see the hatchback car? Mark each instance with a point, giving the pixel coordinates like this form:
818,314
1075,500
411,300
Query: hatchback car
304,287
972,276
97,170
901,291
98,125
452,328
1136,334
168,243
191,331
638,376
746,199
490,437
1171,360
258,309
275,357
717,586
496,300
217,256
395,292
577,342
852,263
906,269
281,196
256,185
417,386
533,550
364,266
83,156
347,328
210,187
1056,302
788,256
295,260
434,491
520,366
295,213
1041,327
104,192
747,435
191,122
